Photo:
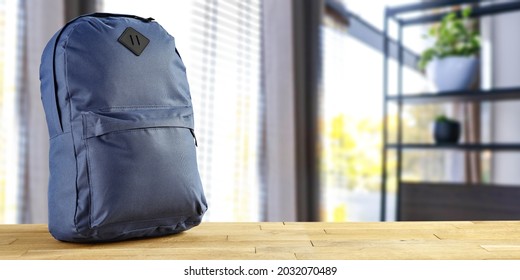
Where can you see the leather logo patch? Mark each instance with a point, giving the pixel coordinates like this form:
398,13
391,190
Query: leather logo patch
133,40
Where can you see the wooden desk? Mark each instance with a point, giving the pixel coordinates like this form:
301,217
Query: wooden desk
403,240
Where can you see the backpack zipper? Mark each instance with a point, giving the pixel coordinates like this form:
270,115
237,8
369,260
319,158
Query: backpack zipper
193,133
102,15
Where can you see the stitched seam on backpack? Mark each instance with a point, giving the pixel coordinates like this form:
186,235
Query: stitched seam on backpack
130,222
190,224
55,136
149,126
156,119
89,172
133,130
69,99
133,107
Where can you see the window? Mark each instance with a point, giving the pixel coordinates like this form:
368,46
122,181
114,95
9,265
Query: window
351,129
220,44
351,113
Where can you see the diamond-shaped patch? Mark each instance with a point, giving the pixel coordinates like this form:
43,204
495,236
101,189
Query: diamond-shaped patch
133,40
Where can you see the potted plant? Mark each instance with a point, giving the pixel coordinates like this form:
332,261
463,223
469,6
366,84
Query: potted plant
446,130
451,63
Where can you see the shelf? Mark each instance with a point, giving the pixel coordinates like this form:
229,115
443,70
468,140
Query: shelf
457,184
455,201
467,95
414,7
470,147
483,10
444,201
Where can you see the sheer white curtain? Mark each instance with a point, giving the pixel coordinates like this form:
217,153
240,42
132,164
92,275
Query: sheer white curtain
43,19
11,132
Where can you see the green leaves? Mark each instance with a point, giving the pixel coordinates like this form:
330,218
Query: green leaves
453,37
443,118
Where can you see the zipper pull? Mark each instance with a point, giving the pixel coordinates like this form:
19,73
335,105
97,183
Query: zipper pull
194,137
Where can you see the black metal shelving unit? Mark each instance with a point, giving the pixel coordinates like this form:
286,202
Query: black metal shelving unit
467,147
401,16
471,95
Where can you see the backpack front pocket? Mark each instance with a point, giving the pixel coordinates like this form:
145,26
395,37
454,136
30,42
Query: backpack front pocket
141,166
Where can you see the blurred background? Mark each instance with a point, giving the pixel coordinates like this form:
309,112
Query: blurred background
289,99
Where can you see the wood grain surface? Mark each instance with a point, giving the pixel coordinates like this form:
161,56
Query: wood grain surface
281,241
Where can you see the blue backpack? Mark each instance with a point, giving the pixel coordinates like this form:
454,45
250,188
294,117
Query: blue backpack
122,144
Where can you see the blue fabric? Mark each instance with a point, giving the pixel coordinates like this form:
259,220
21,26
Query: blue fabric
122,150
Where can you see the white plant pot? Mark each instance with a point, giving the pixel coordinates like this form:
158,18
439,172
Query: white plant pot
452,73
